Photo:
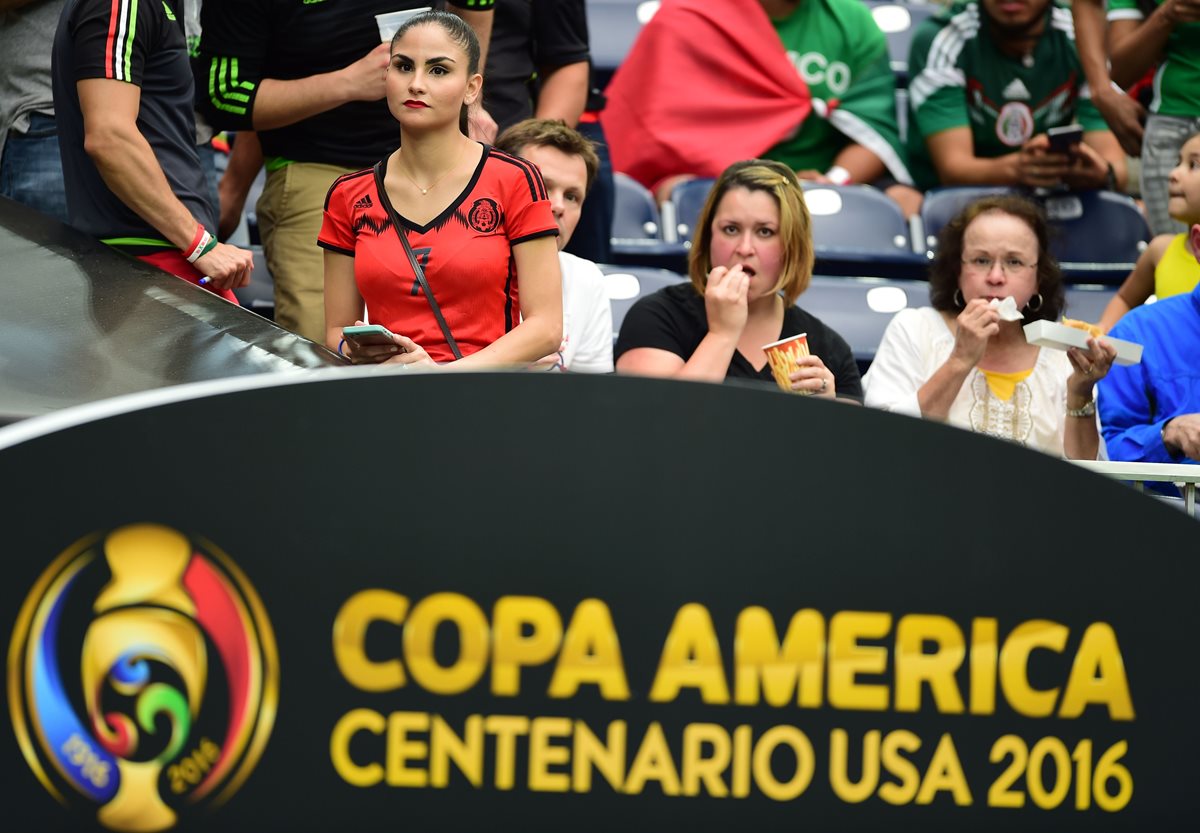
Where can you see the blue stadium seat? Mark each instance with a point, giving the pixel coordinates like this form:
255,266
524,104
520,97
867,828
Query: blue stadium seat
847,218
859,309
1097,232
613,26
899,22
1087,303
942,205
1096,236
626,284
856,219
687,200
635,215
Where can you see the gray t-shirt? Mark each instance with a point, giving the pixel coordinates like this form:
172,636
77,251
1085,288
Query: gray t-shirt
26,36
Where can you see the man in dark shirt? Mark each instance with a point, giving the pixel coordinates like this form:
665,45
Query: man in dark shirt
542,42
540,66
123,100
309,77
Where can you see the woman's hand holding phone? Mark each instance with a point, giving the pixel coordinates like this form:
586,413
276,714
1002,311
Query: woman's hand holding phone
369,343
410,353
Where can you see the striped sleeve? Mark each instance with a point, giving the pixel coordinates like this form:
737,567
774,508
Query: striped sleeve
527,209
112,38
1124,10
937,91
233,53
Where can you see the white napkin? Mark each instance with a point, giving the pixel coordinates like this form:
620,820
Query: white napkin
1007,308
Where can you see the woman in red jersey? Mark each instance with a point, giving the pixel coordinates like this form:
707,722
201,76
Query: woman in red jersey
477,221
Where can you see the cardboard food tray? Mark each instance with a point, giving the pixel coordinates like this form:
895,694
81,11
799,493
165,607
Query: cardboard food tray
1060,337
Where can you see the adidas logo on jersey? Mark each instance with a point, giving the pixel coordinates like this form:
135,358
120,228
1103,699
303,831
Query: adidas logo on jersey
364,203
1017,91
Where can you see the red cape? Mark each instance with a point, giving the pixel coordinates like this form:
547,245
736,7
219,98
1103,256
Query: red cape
706,83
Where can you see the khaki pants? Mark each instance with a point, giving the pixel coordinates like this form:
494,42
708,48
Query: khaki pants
289,219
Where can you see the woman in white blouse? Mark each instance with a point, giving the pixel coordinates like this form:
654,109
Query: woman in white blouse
961,363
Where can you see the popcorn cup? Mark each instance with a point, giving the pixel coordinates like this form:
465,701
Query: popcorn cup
389,22
783,356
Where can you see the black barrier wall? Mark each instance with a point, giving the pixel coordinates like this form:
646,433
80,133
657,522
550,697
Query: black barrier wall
80,322
457,602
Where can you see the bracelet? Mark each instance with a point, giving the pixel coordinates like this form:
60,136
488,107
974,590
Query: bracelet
839,176
1111,178
1088,409
202,246
196,239
341,344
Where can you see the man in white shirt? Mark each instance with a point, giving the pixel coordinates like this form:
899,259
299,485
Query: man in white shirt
568,163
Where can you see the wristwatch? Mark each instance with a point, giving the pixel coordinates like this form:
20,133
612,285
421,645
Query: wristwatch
1088,409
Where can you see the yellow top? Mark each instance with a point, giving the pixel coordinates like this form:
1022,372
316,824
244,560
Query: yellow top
1002,385
1177,272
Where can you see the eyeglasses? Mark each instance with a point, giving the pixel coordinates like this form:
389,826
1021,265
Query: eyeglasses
1010,266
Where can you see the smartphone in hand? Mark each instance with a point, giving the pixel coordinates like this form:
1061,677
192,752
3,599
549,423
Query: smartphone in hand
1063,139
368,335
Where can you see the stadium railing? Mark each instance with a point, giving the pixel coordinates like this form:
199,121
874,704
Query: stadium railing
1185,476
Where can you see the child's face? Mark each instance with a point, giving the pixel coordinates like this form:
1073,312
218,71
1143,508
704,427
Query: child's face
1183,185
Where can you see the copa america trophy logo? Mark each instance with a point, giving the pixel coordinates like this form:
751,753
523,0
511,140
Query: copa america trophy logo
142,677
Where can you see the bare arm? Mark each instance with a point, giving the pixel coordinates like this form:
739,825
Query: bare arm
953,154
863,165
280,103
937,395
128,166
564,93
726,310
1135,46
1090,26
1081,438
1138,286
343,304
1123,114
974,326
1109,152
540,330
481,24
709,363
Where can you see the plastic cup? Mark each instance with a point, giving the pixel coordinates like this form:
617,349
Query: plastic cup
783,356
389,22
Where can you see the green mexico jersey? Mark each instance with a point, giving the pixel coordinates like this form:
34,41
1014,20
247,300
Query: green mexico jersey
839,51
1177,81
960,78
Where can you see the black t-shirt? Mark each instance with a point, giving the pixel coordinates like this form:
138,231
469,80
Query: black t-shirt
528,35
245,41
673,319
141,43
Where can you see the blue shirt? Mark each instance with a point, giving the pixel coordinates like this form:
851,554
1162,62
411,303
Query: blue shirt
1136,401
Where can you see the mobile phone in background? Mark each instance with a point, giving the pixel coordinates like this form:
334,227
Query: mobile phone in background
1063,139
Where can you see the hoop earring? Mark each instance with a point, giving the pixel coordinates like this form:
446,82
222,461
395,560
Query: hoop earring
1031,306
959,303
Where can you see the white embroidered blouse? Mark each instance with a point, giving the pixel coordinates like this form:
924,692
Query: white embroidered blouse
917,342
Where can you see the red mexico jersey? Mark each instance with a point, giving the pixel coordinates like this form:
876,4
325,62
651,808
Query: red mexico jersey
466,251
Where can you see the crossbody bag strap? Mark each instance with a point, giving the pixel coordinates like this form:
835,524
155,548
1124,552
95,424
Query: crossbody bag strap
380,171
433,304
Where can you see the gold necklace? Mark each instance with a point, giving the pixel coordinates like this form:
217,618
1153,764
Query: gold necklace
433,184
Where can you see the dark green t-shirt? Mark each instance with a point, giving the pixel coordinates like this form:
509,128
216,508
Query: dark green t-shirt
961,78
